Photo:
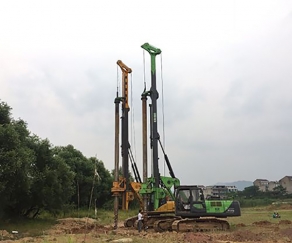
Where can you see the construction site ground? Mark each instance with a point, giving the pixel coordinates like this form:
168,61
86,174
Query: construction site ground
255,225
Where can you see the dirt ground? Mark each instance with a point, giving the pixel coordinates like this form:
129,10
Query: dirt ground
87,230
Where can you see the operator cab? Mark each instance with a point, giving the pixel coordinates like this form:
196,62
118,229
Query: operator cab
190,201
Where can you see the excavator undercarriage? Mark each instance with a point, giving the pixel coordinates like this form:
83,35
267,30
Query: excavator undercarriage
162,223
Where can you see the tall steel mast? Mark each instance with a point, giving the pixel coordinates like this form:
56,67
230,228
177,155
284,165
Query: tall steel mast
157,188
153,51
121,185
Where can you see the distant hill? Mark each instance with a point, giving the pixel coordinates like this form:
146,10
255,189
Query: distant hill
239,184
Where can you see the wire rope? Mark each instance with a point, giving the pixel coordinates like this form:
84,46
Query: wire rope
133,133
163,116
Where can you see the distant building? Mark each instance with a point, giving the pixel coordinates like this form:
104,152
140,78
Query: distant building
272,185
286,182
232,189
265,185
208,191
218,190
262,184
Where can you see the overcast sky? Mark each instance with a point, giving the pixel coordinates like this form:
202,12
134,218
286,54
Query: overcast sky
225,68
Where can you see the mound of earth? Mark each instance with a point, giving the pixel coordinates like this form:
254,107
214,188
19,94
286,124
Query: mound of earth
285,222
240,225
197,238
77,226
241,236
279,206
262,223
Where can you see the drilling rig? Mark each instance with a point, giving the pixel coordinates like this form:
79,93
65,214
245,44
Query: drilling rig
122,186
167,205
157,187
157,191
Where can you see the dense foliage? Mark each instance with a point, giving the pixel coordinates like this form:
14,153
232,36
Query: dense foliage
36,176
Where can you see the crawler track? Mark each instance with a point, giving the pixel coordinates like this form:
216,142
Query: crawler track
161,223
130,222
202,224
155,221
164,224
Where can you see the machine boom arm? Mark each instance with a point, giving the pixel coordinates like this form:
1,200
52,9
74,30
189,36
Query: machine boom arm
153,51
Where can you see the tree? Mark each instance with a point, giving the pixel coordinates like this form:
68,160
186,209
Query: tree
5,113
36,176
15,159
103,185
31,178
250,192
83,173
52,179
92,181
279,192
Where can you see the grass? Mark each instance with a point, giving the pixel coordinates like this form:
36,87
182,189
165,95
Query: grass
27,226
62,239
250,215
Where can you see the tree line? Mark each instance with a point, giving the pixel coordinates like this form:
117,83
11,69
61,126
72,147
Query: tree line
279,192
252,196
37,176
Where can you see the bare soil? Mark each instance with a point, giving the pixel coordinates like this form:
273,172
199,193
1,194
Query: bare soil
88,230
